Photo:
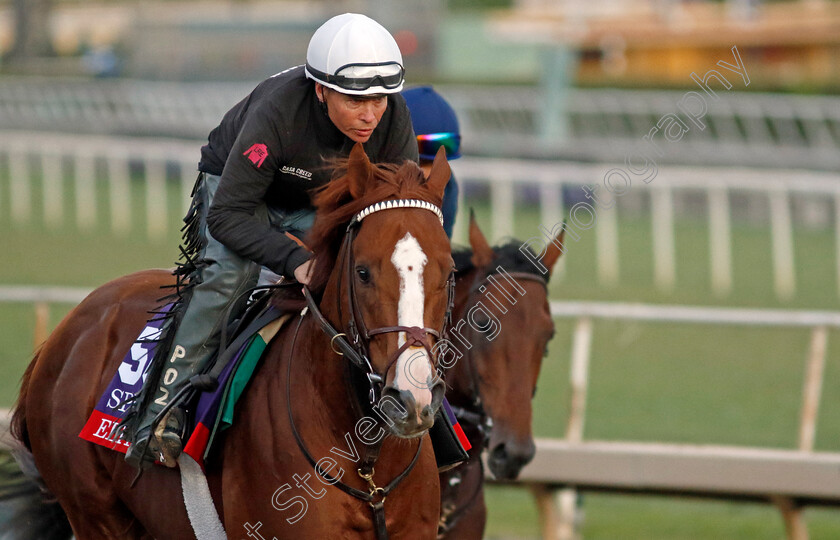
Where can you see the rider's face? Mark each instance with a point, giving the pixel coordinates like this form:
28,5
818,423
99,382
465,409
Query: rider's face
355,116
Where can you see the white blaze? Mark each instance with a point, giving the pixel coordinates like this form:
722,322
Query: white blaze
414,368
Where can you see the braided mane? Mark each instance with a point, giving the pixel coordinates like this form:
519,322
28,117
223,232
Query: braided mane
336,207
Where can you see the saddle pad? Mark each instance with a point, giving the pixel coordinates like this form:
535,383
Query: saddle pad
214,410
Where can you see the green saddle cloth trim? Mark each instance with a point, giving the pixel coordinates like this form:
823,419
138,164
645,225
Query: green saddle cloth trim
236,385
244,370
224,417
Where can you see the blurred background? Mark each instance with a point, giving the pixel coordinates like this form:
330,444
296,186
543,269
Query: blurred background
105,104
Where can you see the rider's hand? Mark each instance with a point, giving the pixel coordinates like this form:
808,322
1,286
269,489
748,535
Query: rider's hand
302,272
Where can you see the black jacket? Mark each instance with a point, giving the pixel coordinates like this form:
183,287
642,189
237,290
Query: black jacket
272,148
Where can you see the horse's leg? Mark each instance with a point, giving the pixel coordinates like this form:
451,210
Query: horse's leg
82,481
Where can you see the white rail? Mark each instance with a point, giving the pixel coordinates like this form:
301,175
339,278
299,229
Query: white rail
757,129
29,294
95,163
682,469
776,186
695,314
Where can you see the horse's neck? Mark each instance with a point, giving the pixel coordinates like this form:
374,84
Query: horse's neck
326,418
321,375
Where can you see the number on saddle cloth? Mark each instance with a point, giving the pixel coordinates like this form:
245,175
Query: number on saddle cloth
113,407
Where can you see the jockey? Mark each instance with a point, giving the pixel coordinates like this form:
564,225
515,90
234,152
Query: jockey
256,173
436,125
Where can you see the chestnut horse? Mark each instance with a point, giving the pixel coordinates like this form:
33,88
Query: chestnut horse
498,290
381,276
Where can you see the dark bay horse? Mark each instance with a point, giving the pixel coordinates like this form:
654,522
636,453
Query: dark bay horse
503,298
387,273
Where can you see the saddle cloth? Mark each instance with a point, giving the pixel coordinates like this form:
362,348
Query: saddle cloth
213,411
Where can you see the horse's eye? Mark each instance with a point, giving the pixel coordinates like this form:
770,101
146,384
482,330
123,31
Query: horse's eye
363,273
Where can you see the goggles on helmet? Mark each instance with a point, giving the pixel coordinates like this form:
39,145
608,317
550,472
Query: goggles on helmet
389,82
429,144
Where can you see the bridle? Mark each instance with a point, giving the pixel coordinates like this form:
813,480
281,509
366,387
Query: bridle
474,414
353,344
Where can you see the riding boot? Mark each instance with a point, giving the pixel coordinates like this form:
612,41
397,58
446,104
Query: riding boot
216,290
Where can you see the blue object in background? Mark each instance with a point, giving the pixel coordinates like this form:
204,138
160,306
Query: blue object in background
431,114
450,205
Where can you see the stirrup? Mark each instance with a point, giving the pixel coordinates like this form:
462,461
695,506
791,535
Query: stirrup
169,434
163,446
143,451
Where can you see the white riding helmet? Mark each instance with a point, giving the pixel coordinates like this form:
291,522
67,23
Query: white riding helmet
353,54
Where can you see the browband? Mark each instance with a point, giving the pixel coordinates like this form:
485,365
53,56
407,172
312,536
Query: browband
400,203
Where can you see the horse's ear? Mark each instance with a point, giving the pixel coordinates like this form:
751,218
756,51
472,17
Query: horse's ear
554,250
440,173
358,171
482,252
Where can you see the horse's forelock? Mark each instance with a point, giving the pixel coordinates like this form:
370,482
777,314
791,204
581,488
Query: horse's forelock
336,207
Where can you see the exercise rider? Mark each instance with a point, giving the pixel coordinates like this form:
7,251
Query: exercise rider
257,171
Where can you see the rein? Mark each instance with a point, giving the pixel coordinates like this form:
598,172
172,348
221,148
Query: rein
376,495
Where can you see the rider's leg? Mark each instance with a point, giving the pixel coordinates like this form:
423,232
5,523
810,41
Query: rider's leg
221,282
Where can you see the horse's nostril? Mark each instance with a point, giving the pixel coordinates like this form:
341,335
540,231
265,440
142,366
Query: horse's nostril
513,454
499,452
426,413
438,391
397,403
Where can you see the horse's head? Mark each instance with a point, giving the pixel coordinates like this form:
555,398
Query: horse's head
383,266
503,299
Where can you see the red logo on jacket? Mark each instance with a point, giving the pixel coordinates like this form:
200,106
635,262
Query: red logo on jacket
257,154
